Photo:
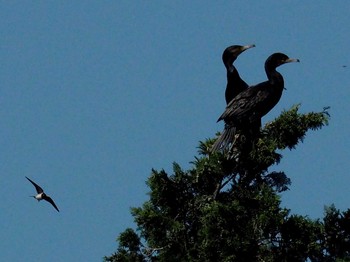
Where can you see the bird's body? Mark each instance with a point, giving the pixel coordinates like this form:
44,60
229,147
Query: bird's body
252,104
248,107
235,84
41,195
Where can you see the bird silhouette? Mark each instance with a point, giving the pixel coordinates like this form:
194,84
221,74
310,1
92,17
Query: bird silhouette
235,84
245,111
41,195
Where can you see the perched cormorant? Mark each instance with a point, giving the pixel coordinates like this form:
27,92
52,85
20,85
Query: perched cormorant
41,195
235,84
247,108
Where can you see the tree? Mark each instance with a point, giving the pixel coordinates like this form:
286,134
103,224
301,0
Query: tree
227,206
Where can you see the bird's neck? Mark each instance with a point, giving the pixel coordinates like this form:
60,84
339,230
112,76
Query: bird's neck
274,77
235,85
229,65
232,73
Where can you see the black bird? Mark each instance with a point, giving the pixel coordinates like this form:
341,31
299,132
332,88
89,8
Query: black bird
41,195
235,84
247,108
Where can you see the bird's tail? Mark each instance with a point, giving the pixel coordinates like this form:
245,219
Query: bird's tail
34,197
225,139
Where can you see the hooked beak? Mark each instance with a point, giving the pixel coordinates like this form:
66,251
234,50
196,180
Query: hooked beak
245,47
289,60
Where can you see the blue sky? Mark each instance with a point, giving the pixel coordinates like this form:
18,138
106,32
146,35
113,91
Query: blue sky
93,94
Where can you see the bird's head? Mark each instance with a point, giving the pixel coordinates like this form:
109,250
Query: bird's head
232,52
277,59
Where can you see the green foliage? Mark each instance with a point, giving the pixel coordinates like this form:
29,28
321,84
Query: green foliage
129,248
290,127
337,230
227,207
299,235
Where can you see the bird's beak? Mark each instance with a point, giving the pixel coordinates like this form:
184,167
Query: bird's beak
245,47
289,60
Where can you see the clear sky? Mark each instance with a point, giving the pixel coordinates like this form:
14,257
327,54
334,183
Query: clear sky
93,94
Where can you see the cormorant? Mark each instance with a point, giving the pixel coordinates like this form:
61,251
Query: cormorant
41,195
235,84
247,108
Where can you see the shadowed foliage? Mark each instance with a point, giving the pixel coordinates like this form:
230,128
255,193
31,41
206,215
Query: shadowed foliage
227,207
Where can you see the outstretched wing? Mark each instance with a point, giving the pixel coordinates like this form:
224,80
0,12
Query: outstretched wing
49,199
38,188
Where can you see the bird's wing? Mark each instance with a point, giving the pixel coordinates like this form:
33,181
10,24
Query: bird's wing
38,188
49,199
252,106
241,105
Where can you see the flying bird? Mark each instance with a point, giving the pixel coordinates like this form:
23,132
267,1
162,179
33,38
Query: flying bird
248,107
235,84
41,195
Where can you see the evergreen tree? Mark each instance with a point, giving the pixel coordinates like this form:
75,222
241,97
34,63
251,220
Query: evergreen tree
227,206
